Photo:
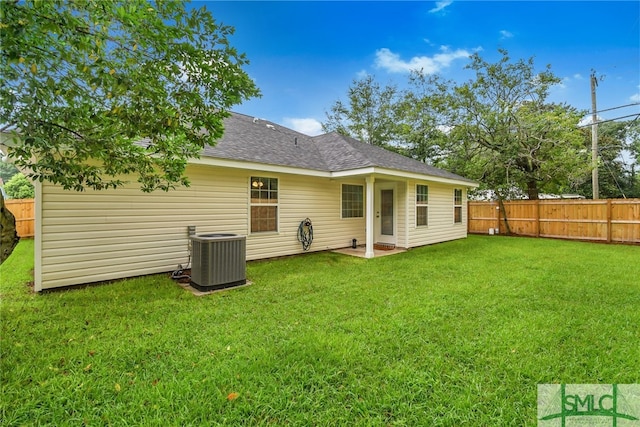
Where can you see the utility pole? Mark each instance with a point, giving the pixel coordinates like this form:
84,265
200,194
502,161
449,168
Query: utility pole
594,138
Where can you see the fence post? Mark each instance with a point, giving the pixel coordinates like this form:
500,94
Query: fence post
537,207
565,219
609,206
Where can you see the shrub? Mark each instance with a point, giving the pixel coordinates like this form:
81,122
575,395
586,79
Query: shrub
19,187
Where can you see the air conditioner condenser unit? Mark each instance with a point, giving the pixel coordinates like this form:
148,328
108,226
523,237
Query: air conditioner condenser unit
218,261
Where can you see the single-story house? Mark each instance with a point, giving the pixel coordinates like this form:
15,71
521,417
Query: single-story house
260,180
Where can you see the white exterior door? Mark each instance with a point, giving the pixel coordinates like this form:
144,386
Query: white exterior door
385,208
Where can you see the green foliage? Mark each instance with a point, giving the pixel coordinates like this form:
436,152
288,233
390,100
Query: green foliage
505,134
7,170
497,128
425,108
459,333
617,160
632,133
19,187
86,81
617,176
370,114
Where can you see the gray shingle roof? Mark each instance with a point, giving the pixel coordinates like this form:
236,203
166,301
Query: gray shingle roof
348,153
257,140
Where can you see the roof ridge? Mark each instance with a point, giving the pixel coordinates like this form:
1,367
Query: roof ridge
256,120
253,139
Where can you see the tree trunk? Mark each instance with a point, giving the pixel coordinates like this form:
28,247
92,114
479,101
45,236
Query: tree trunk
532,190
503,210
8,234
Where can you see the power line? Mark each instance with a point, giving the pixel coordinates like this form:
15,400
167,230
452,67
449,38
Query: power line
615,180
609,120
617,108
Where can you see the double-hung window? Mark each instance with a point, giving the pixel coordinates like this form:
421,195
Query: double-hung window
457,205
352,201
422,205
264,204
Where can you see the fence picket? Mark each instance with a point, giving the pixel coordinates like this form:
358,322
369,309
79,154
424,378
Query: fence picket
23,210
610,220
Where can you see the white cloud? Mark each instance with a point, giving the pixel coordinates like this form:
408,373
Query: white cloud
391,62
567,80
362,74
440,5
506,34
636,96
308,126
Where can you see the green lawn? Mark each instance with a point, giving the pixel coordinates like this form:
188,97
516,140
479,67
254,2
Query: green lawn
450,334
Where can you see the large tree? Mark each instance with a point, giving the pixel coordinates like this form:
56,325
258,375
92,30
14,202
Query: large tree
633,140
618,152
84,82
370,114
505,133
424,119
498,128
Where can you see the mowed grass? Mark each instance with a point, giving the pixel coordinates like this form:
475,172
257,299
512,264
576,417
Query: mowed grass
458,333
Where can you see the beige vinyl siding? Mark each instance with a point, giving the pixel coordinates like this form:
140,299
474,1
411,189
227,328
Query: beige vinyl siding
303,197
402,238
103,235
441,226
97,236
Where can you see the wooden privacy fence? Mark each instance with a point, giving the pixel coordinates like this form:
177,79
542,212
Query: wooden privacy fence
607,220
23,210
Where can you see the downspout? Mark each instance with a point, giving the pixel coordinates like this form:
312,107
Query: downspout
406,214
369,218
37,238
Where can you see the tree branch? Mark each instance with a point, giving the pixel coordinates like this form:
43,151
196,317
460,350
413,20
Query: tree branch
43,122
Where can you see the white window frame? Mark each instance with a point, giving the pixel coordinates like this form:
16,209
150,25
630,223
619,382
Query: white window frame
253,187
422,204
457,205
342,201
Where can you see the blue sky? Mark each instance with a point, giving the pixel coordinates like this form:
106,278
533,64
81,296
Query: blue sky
304,55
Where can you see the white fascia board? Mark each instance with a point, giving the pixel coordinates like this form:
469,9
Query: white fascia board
354,172
238,164
402,174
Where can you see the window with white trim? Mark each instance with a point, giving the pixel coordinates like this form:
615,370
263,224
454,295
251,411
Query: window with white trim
352,201
422,205
264,204
457,205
